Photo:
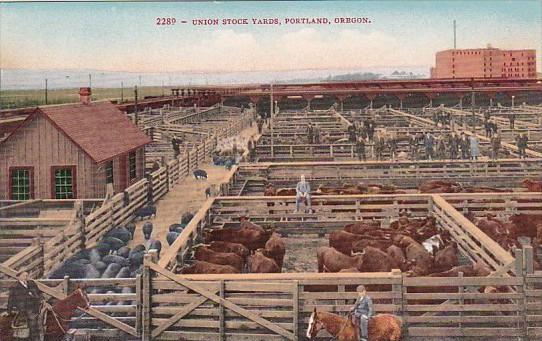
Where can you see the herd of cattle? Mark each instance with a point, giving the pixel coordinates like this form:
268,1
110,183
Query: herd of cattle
249,248
431,186
413,245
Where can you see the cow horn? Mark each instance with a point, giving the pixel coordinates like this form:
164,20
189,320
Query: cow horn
361,253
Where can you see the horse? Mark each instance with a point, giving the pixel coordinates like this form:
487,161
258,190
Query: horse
382,327
56,317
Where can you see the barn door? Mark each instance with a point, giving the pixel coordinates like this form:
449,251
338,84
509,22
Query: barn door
123,172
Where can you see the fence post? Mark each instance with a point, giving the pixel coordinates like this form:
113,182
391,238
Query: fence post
295,301
397,299
222,318
403,306
146,308
66,285
139,303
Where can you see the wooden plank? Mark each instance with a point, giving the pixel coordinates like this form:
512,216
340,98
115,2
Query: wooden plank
227,304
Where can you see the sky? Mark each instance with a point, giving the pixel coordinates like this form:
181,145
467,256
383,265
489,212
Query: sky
123,36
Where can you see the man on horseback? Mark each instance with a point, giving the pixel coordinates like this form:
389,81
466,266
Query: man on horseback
26,298
363,310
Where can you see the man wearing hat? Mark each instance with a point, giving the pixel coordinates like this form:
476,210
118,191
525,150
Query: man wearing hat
26,298
363,310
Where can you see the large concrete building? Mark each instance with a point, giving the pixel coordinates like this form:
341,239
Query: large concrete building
485,63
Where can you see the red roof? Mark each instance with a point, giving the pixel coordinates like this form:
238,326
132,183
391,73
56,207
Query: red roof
99,128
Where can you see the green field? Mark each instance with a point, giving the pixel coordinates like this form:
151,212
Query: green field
10,99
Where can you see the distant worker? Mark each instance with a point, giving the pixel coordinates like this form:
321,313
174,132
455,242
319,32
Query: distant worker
454,146
175,142
392,144
429,142
465,146
303,193
512,119
413,146
441,148
474,150
251,146
360,149
351,133
310,133
495,146
521,142
316,134
259,123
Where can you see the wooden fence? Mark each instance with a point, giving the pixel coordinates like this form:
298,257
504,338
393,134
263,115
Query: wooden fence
249,179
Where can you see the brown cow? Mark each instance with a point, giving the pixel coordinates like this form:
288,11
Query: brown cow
379,243
204,253
440,186
532,185
398,256
258,263
363,227
275,249
253,237
422,261
238,249
202,267
342,241
375,260
446,258
335,261
527,225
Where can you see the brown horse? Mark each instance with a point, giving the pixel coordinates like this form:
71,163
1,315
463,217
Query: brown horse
382,327
57,317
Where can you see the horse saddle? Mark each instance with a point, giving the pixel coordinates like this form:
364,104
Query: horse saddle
19,326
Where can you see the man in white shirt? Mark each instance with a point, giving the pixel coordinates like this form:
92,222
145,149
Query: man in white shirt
303,193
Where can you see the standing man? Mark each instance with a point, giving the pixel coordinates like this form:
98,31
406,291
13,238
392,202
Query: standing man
363,310
303,193
495,145
392,143
474,151
26,298
316,134
465,146
360,149
454,146
413,146
351,133
512,119
259,123
521,141
251,145
370,128
310,133
175,145
429,142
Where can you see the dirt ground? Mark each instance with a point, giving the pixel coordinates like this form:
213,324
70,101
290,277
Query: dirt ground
301,253
186,196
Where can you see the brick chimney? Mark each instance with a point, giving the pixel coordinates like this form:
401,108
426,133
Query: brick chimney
84,95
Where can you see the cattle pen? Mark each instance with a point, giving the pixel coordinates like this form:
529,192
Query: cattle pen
160,304
165,305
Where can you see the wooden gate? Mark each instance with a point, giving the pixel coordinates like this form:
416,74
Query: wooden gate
217,309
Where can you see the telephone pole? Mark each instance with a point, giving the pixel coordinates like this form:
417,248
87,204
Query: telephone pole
455,46
122,92
89,80
45,90
135,104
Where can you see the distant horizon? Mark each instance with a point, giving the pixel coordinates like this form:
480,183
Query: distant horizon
268,36
22,79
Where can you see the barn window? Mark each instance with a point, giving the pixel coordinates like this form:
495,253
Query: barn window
64,182
21,183
109,172
132,165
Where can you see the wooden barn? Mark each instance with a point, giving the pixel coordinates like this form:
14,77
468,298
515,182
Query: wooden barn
71,151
